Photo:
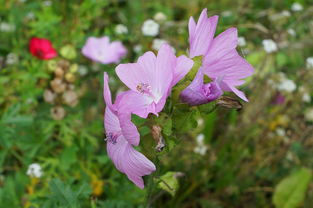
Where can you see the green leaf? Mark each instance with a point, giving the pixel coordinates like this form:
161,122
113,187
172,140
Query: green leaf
167,127
290,192
168,182
63,194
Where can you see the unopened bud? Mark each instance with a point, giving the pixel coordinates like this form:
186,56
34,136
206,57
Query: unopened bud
69,77
229,102
59,72
57,85
49,96
57,113
70,98
156,132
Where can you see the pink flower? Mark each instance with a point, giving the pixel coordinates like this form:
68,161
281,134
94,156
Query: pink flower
198,93
151,79
125,158
101,50
221,60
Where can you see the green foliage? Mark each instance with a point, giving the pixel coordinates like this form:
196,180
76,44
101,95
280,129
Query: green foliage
168,182
290,192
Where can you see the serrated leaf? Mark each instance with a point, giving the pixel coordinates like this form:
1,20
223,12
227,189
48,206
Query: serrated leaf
290,192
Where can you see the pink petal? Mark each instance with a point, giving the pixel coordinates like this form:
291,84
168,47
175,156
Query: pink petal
201,36
106,90
183,66
166,61
134,74
129,161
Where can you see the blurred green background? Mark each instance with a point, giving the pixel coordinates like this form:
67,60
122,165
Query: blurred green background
260,156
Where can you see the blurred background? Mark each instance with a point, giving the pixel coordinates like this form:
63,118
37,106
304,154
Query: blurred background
52,149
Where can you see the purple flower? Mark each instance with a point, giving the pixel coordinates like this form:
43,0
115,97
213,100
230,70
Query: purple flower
125,158
221,60
151,79
101,50
198,93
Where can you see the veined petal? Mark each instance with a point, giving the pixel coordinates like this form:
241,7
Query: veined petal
129,161
143,72
106,90
166,61
201,37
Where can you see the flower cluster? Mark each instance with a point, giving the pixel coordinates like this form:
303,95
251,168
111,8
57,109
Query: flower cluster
150,81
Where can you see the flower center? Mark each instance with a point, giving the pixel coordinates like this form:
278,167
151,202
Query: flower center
112,137
144,88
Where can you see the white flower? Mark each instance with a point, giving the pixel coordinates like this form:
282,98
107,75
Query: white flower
30,16
309,62
287,85
241,41
227,13
12,58
47,3
34,170
160,17
150,28
309,114
200,148
291,32
121,29
281,132
296,7
138,48
306,97
6,27
157,43
269,45
285,13
82,70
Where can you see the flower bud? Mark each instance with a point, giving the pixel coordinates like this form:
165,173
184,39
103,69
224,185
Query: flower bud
229,102
57,113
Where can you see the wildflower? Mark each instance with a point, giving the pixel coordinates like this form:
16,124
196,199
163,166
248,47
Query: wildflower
101,50
291,32
34,170
160,17
200,148
82,70
42,48
57,113
125,158
157,43
269,45
279,99
309,114
151,79
150,28
121,29
6,27
11,59
46,3
138,48
241,41
306,97
281,132
296,7
221,62
309,62
198,93
287,85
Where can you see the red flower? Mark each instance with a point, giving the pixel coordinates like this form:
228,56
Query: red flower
42,48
